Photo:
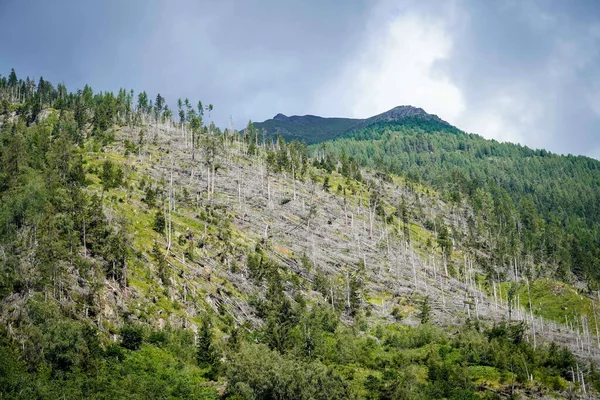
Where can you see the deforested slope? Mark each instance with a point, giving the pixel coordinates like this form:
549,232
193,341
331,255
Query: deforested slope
145,258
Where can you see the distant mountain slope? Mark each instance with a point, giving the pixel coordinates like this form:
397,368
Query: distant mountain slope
308,128
401,115
313,129
532,195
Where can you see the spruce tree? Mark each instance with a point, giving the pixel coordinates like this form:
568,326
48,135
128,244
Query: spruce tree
206,354
425,312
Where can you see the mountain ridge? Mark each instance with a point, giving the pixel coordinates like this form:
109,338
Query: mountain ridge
314,129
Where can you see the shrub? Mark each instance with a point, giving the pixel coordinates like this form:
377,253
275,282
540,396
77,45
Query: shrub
131,337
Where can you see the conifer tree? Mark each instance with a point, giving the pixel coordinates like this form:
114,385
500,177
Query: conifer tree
206,354
425,311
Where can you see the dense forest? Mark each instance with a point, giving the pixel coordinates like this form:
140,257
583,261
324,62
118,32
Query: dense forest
103,285
308,128
539,210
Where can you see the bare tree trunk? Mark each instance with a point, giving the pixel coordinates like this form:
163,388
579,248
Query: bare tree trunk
269,192
208,181
294,180
371,224
596,324
445,263
531,315
170,225
345,212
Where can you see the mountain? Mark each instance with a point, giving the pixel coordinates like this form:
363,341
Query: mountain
541,192
141,258
400,115
547,192
312,129
307,128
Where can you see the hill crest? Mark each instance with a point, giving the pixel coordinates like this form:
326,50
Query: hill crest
314,129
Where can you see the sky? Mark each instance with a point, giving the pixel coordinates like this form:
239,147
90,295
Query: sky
519,71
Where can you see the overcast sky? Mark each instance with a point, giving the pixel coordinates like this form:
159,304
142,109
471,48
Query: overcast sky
522,71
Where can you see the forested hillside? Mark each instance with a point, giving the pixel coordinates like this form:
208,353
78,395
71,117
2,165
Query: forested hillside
306,128
541,208
312,129
144,255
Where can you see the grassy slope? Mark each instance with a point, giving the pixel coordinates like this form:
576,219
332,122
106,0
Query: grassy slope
551,300
555,301
143,275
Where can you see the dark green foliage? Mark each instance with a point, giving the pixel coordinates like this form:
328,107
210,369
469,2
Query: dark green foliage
425,310
151,196
256,372
280,316
288,157
114,351
115,251
306,263
513,331
189,252
158,338
130,147
403,215
309,129
535,204
443,238
320,283
259,265
234,340
111,175
594,376
206,354
67,348
391,385
132,337
560,360
397,313
57,247
448,380
116,373
105,111
159,222
326,185
164,272
355,287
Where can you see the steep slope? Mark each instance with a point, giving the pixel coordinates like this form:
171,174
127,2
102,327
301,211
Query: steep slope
141,261
335,241
543,192
402,115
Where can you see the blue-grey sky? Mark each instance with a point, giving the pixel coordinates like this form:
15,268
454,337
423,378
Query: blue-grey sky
523,71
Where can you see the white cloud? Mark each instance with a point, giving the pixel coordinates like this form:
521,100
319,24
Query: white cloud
508,113
395,65
529,84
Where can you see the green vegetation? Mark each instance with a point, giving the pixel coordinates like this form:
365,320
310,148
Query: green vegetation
97,255
532,206
308,128
555,301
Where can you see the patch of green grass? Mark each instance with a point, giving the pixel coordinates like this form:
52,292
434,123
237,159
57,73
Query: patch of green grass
555,301
483,374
